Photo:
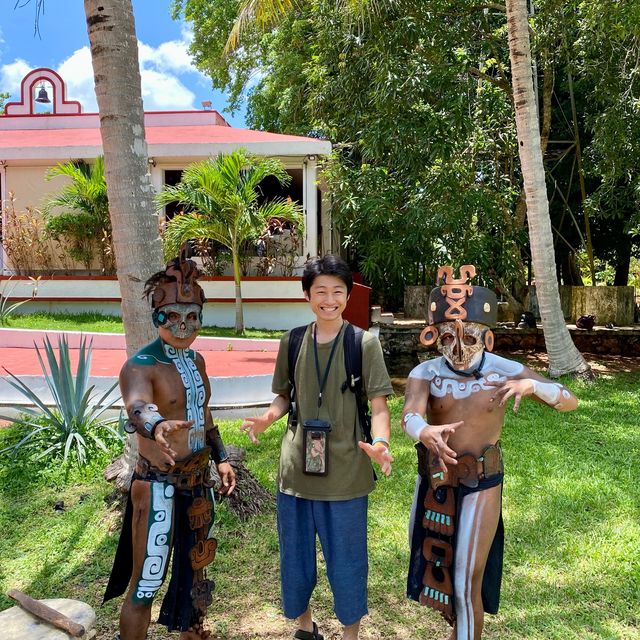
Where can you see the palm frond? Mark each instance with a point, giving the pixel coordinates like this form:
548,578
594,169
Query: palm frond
262,13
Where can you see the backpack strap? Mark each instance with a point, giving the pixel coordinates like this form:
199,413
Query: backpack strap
296,336
353,365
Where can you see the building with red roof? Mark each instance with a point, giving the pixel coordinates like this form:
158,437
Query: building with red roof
33,141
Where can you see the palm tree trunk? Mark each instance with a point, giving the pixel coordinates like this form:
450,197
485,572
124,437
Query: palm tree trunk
237,279
563,355
136,240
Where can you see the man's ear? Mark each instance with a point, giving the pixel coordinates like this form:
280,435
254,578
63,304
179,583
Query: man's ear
306,296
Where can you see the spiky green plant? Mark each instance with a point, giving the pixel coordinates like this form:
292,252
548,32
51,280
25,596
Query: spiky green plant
75,423
6,308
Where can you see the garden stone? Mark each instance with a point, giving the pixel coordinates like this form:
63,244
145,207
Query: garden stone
18,624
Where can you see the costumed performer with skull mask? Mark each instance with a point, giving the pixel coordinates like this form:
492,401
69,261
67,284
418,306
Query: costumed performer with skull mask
456,531
166,391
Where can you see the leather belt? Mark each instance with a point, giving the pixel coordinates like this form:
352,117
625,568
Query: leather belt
184,474
469,471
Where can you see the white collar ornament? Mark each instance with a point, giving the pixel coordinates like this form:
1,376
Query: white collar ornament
444,381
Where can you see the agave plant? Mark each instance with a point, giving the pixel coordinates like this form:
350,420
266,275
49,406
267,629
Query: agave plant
7,308
76,422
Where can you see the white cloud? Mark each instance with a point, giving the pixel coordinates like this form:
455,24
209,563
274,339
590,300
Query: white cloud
77,73
163,91
11,76
168,56
161,69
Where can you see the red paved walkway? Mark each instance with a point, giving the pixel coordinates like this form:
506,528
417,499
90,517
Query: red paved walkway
107,362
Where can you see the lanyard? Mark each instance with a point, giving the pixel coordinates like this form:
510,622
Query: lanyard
326,371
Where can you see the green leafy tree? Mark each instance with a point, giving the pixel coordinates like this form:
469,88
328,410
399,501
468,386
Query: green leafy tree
419,175
3,99
85,222
223,200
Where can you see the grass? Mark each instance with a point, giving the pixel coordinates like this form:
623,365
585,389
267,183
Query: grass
100,323
571,508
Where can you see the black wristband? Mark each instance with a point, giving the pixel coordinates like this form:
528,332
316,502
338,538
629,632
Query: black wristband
152,433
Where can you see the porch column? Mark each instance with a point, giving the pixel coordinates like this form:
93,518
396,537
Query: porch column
3,206
310,206
327,240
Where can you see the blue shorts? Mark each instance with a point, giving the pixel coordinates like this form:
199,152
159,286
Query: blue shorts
341,526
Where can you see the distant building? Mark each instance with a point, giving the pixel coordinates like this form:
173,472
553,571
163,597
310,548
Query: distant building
44,128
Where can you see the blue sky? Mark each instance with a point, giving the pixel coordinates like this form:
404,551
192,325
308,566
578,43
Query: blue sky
169,80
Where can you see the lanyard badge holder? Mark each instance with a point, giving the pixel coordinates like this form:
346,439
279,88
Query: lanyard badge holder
315,453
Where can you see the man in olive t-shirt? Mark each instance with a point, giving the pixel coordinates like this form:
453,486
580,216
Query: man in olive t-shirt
325,472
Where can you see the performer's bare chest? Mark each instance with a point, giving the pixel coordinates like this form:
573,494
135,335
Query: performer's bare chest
482,417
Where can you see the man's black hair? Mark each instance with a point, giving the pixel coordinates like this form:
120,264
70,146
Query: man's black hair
328,265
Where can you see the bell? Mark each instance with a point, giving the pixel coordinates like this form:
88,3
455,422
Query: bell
43,96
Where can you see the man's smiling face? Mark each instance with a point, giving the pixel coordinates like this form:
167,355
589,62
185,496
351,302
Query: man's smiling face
327,297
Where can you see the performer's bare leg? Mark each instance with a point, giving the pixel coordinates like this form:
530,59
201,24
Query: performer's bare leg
479,516
136,616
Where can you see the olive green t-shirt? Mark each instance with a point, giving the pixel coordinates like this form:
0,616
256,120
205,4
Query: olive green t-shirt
349,470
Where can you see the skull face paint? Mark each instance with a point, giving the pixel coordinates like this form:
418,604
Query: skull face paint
183,320
461,343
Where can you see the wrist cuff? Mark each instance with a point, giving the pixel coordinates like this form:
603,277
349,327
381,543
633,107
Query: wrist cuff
547,391
414,423
380,439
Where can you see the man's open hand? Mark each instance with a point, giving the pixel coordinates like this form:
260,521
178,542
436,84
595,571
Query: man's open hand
254,426
166,428
516,389
380,455
436,437
228,477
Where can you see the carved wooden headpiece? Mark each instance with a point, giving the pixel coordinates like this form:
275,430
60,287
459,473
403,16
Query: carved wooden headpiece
458,299
184,289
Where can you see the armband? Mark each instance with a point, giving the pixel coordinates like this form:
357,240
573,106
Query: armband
414,423
380,439
143,419
214,440
549,392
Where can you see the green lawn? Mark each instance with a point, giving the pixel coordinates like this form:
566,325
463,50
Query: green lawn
571,508
97,322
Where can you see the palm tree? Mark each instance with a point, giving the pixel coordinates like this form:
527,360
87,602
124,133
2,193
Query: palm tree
86,220
563,355
222,195
136,238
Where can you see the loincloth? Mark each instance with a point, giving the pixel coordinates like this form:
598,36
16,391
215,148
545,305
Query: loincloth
188,530
418,533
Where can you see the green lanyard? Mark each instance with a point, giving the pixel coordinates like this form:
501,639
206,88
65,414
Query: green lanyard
322,383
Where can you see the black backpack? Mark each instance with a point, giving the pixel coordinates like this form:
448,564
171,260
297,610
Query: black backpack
353,365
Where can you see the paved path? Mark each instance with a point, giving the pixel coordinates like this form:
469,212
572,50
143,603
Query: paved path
107,362
240,371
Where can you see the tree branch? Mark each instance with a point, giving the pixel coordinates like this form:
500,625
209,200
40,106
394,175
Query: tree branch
498,82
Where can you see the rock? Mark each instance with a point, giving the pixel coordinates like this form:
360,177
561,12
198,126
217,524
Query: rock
17,624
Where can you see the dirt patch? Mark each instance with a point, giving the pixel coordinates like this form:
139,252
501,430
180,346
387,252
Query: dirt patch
601,364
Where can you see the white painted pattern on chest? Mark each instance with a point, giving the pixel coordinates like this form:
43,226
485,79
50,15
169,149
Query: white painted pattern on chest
444,382
194,391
